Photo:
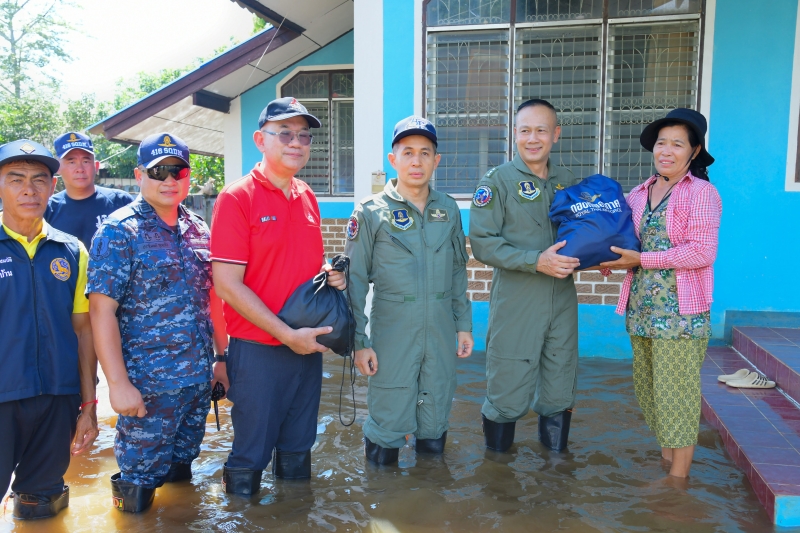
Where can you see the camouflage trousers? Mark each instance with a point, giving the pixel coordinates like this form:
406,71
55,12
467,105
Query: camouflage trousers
170,432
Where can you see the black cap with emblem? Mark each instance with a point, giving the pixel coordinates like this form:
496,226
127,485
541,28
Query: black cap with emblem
27,150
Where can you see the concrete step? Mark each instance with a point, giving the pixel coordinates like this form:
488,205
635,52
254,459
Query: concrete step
761,432
775,352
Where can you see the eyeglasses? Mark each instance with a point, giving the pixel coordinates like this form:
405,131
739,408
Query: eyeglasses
286,136
162,172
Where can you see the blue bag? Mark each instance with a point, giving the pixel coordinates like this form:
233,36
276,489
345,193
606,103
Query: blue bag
593,216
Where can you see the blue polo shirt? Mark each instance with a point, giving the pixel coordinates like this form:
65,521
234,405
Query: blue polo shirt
82,218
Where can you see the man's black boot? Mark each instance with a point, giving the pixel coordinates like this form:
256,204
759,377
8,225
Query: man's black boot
179,472
431,445
292,465
554,430
378,454
30,506
240,480
499,435
130,497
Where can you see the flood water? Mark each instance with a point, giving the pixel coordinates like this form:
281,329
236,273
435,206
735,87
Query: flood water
611,479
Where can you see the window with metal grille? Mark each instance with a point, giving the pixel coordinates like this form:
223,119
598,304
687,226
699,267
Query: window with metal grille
608,66
329,97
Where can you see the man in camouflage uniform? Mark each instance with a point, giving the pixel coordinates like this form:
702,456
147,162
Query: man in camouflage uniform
149,284
532,339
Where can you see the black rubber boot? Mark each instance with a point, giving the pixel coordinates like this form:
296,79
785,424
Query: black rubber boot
499,435
292,465
129,497
179,472
554,430
31,507
378,454
240,480
431,445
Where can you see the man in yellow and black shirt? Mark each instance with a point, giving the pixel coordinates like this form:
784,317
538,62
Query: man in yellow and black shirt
48,382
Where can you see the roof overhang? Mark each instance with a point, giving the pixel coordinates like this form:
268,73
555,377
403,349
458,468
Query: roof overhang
193,107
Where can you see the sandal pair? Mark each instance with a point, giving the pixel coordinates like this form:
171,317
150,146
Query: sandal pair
745,379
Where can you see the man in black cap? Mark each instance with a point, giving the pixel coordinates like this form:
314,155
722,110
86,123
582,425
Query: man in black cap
266,241
409,243
47,386
82,206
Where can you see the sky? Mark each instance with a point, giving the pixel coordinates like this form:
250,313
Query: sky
118,38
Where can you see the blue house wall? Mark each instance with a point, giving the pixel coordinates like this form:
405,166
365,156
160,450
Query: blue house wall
748,132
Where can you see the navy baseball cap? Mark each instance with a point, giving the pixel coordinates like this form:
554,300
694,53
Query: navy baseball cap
24,149
284,108
156,148
70,141
414,125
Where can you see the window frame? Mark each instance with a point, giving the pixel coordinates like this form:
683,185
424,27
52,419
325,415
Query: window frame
330,70
605,22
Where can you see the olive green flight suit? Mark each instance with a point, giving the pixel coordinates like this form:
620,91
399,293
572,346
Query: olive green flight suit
419,302
532,337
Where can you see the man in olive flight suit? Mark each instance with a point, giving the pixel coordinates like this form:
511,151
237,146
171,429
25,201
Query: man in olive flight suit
532,338
408,241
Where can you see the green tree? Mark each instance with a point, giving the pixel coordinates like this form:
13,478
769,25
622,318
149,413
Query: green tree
31,36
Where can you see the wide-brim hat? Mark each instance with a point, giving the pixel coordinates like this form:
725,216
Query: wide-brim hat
689,118
284,108
27,150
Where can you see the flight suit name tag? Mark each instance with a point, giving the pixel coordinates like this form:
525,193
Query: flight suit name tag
528,190
401,219
438,215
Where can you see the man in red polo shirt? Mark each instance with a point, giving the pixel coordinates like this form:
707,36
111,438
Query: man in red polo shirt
265,242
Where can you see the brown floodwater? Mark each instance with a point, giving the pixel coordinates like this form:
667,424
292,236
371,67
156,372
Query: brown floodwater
611,479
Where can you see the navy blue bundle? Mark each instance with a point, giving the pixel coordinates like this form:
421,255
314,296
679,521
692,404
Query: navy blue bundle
593,216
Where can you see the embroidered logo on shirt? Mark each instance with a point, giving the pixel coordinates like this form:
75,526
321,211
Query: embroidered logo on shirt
528,190
401,220
352,228
268,218
5,273
60,269
5,260
438,215
482,196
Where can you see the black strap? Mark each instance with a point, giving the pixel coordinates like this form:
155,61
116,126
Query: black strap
341,263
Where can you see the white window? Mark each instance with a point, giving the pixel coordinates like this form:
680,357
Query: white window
329,97
608,66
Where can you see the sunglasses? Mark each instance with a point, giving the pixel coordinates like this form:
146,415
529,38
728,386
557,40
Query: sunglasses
288,136
162,172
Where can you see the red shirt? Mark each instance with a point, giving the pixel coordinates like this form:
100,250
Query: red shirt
693,214
278,239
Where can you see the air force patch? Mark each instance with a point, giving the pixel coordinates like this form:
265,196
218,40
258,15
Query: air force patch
401,220
528,190
482,196
352,228
60,269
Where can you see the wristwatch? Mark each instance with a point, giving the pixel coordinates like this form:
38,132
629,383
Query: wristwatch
221,358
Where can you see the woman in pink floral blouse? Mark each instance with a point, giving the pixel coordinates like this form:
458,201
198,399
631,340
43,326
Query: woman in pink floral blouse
666,296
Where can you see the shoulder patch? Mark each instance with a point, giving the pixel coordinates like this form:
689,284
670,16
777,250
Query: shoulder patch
483,195
352,228
100,247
